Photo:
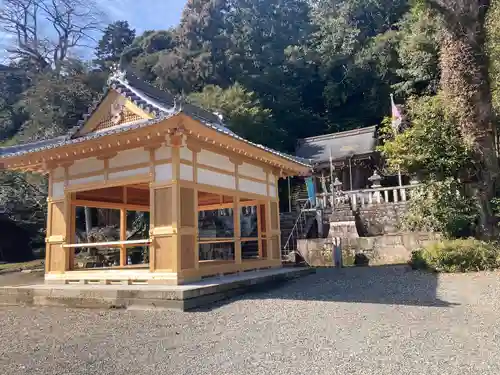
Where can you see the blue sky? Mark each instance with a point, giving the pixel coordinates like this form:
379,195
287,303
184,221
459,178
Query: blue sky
145,14
142,15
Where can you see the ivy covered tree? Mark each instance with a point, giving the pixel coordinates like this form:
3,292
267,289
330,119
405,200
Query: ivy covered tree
466,88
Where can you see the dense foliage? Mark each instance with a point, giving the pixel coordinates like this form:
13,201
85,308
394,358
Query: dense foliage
442,206
463,255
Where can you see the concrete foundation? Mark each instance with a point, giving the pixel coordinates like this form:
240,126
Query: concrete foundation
177,297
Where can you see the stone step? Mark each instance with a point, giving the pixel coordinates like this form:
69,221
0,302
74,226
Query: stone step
178,297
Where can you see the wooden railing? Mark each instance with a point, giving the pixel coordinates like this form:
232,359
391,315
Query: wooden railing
364,197
111,244
121,246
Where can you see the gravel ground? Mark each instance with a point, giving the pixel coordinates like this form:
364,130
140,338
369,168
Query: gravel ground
385,320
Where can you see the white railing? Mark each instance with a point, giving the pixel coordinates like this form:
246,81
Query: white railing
366,197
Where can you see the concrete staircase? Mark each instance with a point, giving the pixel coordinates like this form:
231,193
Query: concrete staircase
343,222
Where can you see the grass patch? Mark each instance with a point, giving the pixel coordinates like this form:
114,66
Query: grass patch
39,263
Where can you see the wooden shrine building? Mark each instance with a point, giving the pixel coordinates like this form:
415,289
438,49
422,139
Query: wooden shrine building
211,196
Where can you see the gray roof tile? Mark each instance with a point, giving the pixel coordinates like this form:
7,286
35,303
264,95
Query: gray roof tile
160,104
342,145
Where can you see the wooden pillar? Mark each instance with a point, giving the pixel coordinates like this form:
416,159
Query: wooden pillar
261,228
123,230
237,230
267,224
187,244
162,255
123,236
273,228
71,236
58,215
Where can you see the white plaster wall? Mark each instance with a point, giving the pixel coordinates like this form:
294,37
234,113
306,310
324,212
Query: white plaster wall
249,186
272,179
129,157
163,172
86,180
216,179
129,173
273,191
251,170
88,165
163,152
186,172
58,190
58,173
215,160
186,154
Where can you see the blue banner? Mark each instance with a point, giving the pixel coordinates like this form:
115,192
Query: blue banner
311,191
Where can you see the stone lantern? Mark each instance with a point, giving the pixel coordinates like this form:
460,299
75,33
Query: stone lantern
375,180
414,180
336,190
337,184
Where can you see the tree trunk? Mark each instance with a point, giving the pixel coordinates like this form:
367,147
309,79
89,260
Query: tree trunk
88,222
465,84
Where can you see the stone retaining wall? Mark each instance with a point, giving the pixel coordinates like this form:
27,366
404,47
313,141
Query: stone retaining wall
386,249
381,219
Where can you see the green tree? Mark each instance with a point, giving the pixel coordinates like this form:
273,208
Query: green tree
467,92
241,112
269,55
432,146
143,54
434,150
493,45
199,55
356,41
116,38
418,53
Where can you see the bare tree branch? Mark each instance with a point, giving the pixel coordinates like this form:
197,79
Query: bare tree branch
73,23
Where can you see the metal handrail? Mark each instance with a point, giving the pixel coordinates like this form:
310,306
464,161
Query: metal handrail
295,226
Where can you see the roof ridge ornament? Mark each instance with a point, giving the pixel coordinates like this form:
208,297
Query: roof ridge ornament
219,115
117,73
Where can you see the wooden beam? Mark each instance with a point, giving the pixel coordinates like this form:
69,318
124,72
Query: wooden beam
109,205
217,206
109,244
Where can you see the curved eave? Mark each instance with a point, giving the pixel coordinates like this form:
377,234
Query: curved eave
143,134
287,164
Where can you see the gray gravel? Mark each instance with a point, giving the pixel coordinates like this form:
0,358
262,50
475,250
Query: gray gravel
386,320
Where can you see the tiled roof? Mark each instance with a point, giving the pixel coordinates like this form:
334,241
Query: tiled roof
339,145
160,104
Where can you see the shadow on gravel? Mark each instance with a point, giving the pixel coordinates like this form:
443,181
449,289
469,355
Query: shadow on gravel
391,285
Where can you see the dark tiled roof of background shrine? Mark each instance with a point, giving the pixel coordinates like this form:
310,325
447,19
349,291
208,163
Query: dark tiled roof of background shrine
342,145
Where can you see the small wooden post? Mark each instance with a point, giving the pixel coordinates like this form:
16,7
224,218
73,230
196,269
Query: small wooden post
123,236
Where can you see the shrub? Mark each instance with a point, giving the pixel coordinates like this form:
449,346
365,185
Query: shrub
460,255
441,206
